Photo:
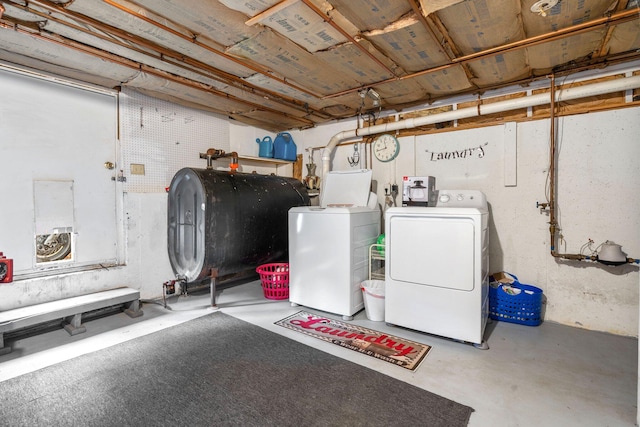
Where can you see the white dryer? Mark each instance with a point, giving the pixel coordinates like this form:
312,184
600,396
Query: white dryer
437,266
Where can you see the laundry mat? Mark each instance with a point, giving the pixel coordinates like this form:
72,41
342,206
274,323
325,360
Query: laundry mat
399,351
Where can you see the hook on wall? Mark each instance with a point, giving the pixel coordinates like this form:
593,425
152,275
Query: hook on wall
355,159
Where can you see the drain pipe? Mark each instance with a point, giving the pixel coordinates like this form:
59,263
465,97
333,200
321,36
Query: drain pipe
567,94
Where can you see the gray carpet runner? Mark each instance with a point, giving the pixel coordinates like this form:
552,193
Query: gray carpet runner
218,371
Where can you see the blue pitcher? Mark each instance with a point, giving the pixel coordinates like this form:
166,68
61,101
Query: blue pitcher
283,147
266,147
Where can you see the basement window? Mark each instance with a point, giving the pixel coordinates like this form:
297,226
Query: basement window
54,221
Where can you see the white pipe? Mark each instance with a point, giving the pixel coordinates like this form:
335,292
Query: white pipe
567,94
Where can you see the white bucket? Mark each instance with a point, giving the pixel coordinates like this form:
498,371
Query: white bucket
373,295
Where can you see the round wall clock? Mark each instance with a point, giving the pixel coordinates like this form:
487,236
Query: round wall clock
386,147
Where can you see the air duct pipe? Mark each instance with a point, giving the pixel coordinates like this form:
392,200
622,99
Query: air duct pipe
567,94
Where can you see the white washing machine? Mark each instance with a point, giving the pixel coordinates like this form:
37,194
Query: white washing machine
437,266
329,245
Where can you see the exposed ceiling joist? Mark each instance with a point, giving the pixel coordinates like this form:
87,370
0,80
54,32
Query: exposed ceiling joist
297,63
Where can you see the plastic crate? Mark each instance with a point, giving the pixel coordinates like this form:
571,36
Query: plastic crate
275,280
524,307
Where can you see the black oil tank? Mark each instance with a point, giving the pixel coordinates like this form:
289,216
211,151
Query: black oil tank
229,221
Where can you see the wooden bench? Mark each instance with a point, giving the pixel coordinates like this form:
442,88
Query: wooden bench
69,310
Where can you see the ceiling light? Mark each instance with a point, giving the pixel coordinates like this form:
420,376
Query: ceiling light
540,7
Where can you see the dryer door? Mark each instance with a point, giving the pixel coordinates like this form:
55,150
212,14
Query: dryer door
432,250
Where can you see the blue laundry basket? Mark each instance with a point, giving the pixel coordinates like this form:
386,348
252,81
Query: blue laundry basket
523,307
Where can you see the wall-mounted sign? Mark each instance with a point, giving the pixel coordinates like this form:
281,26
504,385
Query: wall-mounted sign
471,152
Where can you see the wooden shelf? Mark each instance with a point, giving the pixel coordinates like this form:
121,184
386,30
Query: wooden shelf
266,160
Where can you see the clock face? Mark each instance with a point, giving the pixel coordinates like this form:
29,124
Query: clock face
386,147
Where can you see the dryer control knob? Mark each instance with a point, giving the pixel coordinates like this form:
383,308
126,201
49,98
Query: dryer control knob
444,198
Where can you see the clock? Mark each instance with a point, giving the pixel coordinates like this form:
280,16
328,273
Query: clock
386,147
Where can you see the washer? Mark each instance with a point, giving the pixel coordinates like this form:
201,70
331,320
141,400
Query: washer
437,266
329,245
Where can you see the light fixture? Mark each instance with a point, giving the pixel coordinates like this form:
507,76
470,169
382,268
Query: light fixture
540,7
374,96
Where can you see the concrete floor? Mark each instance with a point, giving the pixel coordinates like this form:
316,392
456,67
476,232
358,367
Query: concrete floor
550,375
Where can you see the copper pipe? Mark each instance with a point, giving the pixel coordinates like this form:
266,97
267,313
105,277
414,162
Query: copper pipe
615,19
223,76
259,70
216,153
553,222
146,69
182,80
552,166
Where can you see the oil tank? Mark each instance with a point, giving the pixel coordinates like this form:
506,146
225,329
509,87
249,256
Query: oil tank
229,221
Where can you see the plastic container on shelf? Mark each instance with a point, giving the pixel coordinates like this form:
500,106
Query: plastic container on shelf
284,148
265,147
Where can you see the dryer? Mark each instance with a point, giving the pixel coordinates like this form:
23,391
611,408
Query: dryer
437,266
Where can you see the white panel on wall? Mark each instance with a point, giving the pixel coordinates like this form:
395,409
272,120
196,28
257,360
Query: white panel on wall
159,138
460,157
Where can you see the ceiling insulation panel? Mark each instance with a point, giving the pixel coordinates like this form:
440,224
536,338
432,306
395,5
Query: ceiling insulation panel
295,63
409,44
210,19
370,15
546,56
500,68
477,25
303,26
625,37
448,81
285,58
